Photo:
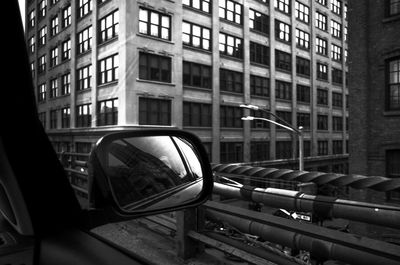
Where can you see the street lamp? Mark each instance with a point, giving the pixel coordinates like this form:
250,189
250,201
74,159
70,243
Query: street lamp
286,125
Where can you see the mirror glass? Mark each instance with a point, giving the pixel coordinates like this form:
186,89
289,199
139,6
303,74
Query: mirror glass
152,172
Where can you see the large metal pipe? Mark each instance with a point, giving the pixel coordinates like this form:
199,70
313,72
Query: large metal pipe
322,243
327,207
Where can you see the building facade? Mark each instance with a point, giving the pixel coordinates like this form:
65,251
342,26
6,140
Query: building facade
374,85
107,65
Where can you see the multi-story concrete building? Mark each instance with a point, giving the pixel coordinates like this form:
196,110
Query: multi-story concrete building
101,66
374,83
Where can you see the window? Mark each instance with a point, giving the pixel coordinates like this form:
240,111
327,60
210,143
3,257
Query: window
42,118
31,19
196,36
322,122
231,81
321,46
283,149
203,5
154,111
42,7
31,44
337,147
85,40
84,115
230,45
322,2
259,86
393,170
393,84
259,21
84,8
231,117
107,112
282,5
53,88
230,11
283,60
282,31
108,69
336,6
66,50
54,57
42,92
54,26
302,39
302,66
83,148
42,64
196,75
322,97
42,36
259,151
84,75
109,27
303,119
302,12
337,76
283,90
154,24
345,11
393,7
53,2
53,119
336,29
284,115
197,114
337,123
345,33
322,148
154,67
65,84
231,152
65,117
33,69
259,53
303,93
66,16
336,52
260,124
337,99
322,71
320,21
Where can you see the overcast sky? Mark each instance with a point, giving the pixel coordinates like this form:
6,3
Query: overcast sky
22,9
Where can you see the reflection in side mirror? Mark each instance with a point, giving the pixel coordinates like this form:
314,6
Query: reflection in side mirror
143,171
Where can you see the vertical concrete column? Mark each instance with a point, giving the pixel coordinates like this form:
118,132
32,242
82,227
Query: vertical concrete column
344,87
246,79
124,18
177,101
216,97
272,145
73,62
93,92
313,81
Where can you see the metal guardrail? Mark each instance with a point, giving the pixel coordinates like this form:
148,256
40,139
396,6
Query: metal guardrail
322,243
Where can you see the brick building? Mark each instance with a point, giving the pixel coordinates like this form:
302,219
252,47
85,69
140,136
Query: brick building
107,65
374,85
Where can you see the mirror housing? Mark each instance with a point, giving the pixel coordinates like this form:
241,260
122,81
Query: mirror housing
147,172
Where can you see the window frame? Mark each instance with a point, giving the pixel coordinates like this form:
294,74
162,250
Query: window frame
154,105
104,72
150,24
114,27
202,38
146,70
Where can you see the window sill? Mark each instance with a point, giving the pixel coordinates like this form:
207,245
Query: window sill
154,38
84,16
231,128
81,91
154,82
260,97
185,46
231,58
322,80
231,93
106,42
196,10
303,75
303,48
390,113
197,127
230,23
304,22
82,54
259,32
197,88
259,64
283,70
391,18
112,83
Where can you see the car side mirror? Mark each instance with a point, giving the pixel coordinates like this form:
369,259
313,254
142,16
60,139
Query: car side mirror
141,173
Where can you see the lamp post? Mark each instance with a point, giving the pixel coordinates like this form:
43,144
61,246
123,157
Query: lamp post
285,125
